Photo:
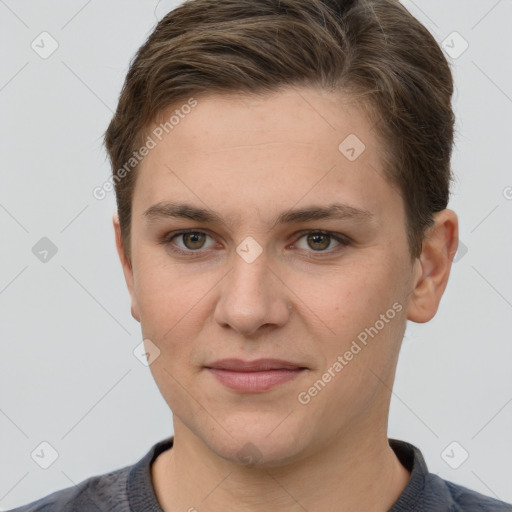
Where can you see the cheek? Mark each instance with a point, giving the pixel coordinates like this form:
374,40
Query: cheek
345,298
167,296
356,312
168,306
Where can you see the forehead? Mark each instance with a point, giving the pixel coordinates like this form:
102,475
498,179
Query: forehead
264,151
291,115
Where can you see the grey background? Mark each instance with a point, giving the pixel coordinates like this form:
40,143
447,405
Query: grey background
68,375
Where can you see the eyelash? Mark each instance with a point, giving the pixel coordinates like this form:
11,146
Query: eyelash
166,240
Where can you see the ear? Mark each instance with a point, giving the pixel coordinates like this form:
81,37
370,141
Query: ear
127,267
433,266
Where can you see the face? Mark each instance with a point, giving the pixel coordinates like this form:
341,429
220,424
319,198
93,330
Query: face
298,252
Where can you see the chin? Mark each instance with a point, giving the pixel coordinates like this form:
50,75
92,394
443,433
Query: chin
254,445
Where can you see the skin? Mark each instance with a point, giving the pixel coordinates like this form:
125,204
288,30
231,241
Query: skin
303,299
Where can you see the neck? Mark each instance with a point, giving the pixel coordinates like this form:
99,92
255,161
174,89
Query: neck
359,471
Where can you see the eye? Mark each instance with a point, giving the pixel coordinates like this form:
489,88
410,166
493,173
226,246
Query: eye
192,241
319,241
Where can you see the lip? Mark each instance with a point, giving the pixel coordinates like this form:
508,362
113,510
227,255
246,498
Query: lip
254,376
258,365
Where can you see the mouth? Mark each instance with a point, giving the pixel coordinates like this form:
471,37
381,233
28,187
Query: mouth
254,376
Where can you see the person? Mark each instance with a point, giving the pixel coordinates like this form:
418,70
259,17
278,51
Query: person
282,176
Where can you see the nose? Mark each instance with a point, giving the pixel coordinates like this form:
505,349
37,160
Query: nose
252,298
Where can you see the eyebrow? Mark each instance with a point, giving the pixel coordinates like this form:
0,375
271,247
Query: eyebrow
168,209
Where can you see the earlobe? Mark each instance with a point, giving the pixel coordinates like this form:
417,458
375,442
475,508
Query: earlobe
433,267
127,267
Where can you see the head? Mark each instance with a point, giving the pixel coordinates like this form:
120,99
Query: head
235,115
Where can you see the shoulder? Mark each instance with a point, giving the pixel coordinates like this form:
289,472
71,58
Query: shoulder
428,492
95,494
112,492
467,500
442,494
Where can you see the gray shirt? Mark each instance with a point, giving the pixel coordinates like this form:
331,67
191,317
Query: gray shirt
130,489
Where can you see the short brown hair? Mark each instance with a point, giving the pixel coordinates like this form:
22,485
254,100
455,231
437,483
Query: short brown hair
372,50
